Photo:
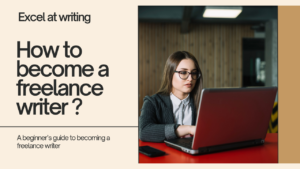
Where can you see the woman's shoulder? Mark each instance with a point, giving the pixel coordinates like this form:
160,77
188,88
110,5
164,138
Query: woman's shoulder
157,98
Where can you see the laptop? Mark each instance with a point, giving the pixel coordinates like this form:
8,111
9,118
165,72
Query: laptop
229,118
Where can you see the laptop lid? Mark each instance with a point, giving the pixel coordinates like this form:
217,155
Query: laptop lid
230,115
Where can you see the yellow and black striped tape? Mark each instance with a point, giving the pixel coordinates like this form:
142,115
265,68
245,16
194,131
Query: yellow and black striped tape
273,124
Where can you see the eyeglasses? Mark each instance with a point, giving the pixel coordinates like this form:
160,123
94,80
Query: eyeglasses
185,74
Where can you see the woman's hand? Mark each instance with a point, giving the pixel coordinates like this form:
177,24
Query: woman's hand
185,130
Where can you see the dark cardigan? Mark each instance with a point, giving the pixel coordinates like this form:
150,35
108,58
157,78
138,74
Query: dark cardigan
156,122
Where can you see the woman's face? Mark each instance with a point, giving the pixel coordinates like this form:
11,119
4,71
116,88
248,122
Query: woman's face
181,88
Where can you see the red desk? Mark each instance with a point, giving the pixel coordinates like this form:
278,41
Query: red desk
266,153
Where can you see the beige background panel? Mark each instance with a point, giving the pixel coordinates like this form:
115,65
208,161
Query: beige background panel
103,41
121,149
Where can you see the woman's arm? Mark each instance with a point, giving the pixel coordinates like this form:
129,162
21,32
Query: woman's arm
184,130
151,127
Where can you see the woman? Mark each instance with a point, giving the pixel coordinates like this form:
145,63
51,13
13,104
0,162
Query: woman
171,112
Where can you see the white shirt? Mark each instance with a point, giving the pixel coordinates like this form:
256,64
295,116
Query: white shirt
182,110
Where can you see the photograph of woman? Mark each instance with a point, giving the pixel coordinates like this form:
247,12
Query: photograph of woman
207,84
171,112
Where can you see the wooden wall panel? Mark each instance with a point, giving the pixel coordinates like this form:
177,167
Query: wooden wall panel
217,47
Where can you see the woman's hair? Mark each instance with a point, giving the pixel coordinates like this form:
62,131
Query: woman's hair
171,65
